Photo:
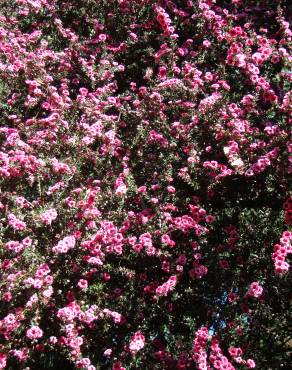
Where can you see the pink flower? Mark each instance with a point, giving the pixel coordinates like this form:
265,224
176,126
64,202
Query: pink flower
3,358
255,290
142,189
210,218
49,216
235,351
166,287
137,342
171,189
107,352
82,284
34,333
250,364
206,43
16,223
53,340
65,244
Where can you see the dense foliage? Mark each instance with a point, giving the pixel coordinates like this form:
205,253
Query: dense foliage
144,203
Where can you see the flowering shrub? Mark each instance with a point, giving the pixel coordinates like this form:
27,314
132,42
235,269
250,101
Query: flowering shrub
144,204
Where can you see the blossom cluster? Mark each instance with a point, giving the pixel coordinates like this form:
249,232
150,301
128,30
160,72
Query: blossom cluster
144,194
